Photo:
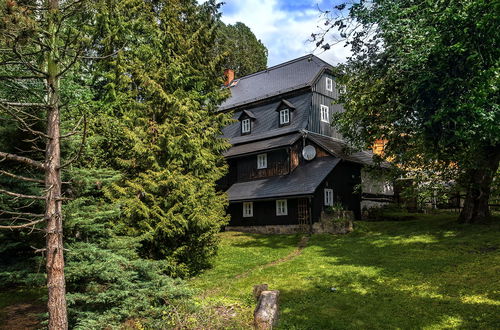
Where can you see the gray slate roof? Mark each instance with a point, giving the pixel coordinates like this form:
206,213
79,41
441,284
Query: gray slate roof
340,149
279,79
266,124
303,181
248,148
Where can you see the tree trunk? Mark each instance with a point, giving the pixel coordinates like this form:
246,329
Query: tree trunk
478,189
56,283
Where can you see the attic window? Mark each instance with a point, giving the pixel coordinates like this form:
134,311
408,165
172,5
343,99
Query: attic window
324,113
329,84
284,117
245,126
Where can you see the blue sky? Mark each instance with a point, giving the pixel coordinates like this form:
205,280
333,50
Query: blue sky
283,26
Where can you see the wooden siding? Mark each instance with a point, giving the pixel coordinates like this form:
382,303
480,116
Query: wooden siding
264,213
278,163
314,121
320,86
230,178
295,154
343,180
321,96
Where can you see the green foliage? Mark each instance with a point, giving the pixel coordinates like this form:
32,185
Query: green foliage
427,273
241,50
164,130
144,206
424,76
107,281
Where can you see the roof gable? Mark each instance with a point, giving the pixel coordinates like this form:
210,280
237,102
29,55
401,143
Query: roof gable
247,114
266,124
284,104
296,74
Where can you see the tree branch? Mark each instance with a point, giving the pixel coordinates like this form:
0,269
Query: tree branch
16,104
13,194
23,178
21,214
23,122
74,130
20,159
26,225
82,144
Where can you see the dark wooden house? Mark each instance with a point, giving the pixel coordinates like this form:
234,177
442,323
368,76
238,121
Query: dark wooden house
287,163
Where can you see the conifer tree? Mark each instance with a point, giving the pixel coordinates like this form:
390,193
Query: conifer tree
163,94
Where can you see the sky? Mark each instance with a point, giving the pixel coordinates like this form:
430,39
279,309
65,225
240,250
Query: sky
284,26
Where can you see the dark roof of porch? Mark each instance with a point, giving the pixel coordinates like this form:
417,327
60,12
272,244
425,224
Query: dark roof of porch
304,180
273,143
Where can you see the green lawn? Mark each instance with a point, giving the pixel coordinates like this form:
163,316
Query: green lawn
427,273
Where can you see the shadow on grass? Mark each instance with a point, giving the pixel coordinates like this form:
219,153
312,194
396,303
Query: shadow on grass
427,273
269,241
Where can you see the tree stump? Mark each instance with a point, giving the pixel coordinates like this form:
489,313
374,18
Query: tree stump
266,313
257,290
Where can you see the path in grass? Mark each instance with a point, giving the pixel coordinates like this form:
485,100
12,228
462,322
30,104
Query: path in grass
302,244
430,273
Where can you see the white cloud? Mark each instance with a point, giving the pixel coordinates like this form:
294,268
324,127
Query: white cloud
283,31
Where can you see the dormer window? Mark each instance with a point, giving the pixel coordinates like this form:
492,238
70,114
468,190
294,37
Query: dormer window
245,126
285,109
284,117
246,118
329,84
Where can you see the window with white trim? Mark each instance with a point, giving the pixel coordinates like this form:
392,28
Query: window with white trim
281,207
284,116
324,113
328,197
245,126
262,161
329,84
247,209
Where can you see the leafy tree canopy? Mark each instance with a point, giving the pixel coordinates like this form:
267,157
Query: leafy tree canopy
424,75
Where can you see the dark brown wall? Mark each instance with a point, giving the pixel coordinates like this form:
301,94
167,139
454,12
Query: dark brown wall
295,154
264,213
278,163
343,180
230,178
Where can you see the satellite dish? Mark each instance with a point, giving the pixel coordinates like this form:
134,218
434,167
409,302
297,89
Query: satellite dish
309,152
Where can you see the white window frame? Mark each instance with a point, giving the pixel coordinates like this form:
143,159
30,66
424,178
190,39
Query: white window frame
261,161
328,197
325,111
329,84
284,116
246,125
281,207
247,209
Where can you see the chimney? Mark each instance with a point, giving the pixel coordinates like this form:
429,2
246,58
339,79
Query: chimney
228,76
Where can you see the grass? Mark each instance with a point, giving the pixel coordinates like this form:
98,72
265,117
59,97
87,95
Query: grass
428,273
